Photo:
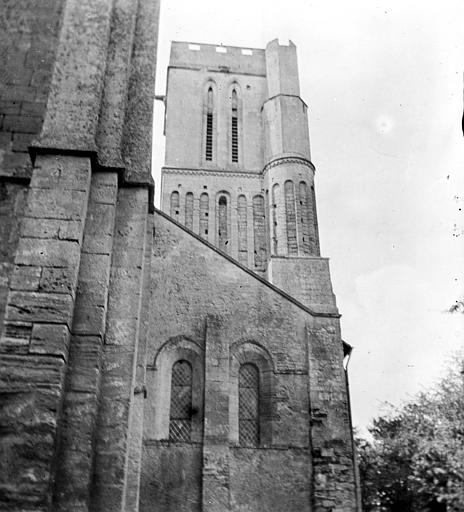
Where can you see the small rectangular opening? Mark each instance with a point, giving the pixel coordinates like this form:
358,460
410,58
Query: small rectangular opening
247,52
221,49
194,47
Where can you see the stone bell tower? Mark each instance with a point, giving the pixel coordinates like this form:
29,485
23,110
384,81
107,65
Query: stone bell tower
238,167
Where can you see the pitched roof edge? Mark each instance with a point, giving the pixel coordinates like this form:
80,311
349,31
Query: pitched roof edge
246,269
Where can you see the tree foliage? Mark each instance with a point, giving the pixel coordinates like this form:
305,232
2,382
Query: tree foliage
415,460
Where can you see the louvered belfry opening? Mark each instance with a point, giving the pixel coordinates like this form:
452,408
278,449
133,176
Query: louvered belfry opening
234,137
248,405
209,127
180,415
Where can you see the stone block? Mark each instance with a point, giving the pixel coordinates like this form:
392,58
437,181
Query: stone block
23,124
9,107
51,339
59,280
15,336
61,172
121,331
89,318
25,278
5,140
20,373
98,236
51,228
44,252
21,141
58,204
70,230
85,353
19,92
17,161
32,108
39,307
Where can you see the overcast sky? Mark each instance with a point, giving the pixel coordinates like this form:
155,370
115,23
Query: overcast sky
384,85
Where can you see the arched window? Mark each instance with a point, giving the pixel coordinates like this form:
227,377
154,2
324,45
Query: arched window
305,216
180,413
234,126
204,214
248,405
222,217
317,251
259,230
189,210
251,409
209,125
275,198
292,242
242,230
174,205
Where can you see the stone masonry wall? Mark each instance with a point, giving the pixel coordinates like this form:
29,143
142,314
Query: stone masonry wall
29,37
77,88
37,325
201,299
28,40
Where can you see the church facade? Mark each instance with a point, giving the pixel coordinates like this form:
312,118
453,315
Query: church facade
182,359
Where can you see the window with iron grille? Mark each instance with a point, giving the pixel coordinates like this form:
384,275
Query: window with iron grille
180,414
248,405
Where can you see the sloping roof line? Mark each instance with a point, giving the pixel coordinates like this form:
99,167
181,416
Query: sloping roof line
247,270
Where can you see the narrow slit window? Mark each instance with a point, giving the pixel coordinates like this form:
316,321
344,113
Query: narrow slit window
234,132
209,127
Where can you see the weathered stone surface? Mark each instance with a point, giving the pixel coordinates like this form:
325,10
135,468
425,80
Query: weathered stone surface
40,307
47,252
271,480
16,337
98,237
51,339
80,409
76,87
160,464
29,389
25,278
136,150
57,172
58,280
67,205
12,199
120,355
29,39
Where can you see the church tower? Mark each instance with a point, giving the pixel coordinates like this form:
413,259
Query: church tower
182,360
243,318
238,165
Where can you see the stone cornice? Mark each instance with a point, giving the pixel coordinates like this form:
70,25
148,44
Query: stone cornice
206,172
288,160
